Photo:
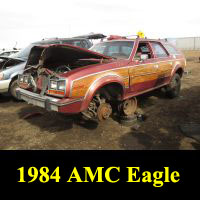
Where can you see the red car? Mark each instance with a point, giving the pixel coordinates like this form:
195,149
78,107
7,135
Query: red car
70,79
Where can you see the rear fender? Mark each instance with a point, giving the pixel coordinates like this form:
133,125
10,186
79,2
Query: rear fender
175,69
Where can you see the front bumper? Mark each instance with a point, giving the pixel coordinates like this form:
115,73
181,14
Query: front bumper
49,103
4,85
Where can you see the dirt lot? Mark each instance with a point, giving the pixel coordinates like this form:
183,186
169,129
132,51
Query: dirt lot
160,130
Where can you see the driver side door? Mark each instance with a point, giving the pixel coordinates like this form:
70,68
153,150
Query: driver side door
143,72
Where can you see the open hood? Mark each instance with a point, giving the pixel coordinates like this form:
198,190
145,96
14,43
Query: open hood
61,53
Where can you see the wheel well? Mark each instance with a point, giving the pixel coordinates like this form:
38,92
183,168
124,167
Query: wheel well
112,91
13,79
180,72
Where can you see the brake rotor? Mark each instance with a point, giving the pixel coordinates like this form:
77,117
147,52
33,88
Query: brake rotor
129,106
104,111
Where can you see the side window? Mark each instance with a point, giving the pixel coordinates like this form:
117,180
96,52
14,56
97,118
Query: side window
171,49
85,44
159,50
56,42
67,42
143,49
77,43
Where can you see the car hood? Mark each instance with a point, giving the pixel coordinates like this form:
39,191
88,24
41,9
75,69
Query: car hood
65,53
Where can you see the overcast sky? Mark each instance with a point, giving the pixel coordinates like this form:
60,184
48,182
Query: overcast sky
25,21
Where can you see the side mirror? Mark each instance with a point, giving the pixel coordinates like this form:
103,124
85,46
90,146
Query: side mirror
143,57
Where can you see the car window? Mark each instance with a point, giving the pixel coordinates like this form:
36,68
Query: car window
85,44
171,49
126,50
99,48
112,50
77,43
117,49
159,50
5,54
67,42
143,48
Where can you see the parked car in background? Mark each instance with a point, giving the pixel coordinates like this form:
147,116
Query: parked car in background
11,66
8,53
71,80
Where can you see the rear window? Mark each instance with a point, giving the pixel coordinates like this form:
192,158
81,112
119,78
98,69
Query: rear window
171,49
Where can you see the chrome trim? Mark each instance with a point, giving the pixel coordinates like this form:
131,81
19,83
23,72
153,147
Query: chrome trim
148,90
53,101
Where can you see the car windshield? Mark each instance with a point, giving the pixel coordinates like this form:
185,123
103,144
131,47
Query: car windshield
116,49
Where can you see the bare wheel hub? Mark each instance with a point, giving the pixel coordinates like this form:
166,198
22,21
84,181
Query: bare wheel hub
104,111
129,106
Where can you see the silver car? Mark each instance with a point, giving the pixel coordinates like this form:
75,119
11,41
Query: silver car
12,66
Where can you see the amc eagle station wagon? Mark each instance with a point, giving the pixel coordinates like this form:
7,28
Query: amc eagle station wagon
69,79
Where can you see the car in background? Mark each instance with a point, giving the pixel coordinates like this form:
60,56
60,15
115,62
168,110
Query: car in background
8,53
11,67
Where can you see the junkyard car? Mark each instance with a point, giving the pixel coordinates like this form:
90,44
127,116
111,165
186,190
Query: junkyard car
8,53
13,65
70,79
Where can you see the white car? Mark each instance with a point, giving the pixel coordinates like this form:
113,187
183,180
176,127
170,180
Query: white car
8,53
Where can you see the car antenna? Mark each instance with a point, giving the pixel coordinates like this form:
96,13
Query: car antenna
15,46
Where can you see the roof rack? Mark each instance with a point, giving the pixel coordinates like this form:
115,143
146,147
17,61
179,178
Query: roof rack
140,34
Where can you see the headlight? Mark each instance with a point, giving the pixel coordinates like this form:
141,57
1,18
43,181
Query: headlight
53,85
21,79
25,79
1,76
61,85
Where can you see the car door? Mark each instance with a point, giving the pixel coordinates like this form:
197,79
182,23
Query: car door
143,73
164,63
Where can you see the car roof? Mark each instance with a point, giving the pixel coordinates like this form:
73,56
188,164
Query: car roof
162,41
47,41
140,39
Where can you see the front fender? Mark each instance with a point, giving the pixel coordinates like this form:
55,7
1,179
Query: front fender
12,72
97,84
15,74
